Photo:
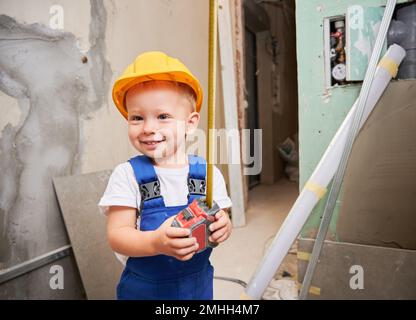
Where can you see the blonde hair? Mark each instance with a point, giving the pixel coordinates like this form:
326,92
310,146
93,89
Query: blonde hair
186,91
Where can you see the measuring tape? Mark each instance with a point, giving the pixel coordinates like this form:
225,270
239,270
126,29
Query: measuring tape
212,76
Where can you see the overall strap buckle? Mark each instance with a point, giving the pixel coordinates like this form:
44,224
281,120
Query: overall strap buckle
196,186
149,185
150,190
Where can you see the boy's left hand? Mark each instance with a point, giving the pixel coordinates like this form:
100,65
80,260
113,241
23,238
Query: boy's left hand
221,228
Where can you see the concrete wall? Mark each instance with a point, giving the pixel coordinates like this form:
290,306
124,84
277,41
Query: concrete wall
57,116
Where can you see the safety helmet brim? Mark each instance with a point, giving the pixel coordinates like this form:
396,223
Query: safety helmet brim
132,76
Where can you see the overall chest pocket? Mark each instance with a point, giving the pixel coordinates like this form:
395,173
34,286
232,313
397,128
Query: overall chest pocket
152,219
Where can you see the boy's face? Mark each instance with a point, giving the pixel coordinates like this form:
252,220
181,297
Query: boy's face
159,116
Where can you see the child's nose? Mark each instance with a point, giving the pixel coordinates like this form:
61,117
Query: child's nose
149,126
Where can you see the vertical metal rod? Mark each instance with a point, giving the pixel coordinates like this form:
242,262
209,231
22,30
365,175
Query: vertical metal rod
212,76
352,133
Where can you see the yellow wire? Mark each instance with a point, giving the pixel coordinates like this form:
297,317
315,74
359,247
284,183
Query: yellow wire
212,64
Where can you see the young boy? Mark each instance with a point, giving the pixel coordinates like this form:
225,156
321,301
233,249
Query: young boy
161,100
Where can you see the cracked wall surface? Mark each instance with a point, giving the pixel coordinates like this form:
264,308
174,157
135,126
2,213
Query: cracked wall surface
56,88
56,113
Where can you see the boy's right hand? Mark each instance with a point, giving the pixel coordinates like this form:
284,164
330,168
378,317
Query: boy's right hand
174,241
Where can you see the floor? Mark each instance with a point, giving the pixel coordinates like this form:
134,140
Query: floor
239,256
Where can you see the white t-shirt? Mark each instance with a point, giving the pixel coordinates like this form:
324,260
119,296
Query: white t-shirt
123,190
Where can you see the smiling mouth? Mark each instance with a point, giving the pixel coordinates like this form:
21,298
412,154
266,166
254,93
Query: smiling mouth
152,142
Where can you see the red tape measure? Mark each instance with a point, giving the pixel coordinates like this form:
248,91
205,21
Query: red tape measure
198,217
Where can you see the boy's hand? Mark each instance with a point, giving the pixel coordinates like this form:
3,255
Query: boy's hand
171,241
221,228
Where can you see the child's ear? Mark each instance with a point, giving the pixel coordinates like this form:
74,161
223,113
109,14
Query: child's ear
192,122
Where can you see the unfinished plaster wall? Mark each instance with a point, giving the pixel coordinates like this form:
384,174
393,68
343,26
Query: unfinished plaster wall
57,116
134,27
44,70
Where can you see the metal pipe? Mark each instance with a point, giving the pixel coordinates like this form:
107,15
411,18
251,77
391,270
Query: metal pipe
35,263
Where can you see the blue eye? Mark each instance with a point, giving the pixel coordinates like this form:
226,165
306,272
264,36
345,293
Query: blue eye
136,118
164,116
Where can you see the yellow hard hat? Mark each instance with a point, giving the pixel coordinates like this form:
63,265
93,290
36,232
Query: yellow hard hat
153,65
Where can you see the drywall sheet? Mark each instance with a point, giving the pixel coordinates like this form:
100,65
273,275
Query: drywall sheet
352,271
379,202
363,24
78,197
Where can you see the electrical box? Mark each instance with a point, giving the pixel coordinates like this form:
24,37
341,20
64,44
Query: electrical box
348,43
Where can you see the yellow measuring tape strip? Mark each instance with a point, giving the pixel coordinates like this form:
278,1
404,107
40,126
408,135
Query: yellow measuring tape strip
317,189
212,64
389,65
312,289
303,255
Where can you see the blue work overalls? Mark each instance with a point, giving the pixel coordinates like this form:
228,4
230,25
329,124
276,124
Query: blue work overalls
161,276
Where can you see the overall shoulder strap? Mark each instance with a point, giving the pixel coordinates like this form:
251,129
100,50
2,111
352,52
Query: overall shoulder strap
196,177
149,185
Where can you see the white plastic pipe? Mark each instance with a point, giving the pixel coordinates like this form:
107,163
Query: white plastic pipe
320,178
